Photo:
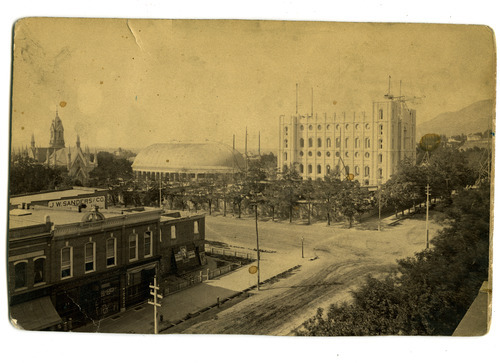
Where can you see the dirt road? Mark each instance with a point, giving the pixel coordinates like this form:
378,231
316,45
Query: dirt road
344,258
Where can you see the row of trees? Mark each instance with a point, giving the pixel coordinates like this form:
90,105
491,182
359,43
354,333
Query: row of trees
284,197
28,176
328,199
445,171
429,293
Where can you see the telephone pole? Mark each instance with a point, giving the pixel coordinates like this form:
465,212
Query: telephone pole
258,249
159,189
427,216
302,240
155,302
379,207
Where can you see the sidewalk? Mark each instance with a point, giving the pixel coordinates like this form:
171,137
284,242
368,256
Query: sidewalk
177,306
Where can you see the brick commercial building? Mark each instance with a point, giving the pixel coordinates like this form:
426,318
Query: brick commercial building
68,268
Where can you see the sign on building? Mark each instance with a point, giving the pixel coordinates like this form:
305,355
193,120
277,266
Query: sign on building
99,201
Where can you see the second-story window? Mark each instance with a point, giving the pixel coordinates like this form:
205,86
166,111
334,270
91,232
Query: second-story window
66,262
148,244
132,247
111,252
90,257
21,279
173,232
196,227
39,270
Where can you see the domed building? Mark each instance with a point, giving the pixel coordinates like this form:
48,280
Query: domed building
187,161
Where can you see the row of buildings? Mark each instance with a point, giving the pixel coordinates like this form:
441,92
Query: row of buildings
360,145
70,265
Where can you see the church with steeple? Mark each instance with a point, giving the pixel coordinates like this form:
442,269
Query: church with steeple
77,161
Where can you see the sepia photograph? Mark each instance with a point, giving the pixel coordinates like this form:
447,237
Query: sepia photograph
251,177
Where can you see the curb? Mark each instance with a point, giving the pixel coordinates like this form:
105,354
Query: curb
229,298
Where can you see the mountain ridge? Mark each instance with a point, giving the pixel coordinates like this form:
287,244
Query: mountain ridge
476,117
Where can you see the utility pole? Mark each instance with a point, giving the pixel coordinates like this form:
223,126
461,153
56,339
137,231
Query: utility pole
302,241
259,143
246,152
258,249
427,216
155,302
159,189
379,207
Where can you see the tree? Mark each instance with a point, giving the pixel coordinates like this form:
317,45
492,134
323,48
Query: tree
28,176
353,200
429,293
271,195
327,193
307,193
110,170
288,189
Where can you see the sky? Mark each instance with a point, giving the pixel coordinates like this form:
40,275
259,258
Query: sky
133,83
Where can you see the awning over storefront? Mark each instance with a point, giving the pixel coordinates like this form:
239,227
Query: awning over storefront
142,267
36,314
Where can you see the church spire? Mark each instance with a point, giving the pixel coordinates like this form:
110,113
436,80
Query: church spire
78,141
32,140
57,133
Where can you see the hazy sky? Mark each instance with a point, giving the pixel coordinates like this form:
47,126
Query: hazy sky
138,82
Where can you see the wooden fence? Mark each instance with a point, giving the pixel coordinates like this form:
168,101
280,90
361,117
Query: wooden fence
228,252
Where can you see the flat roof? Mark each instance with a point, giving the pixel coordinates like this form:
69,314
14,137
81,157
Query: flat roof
58,194
37,215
